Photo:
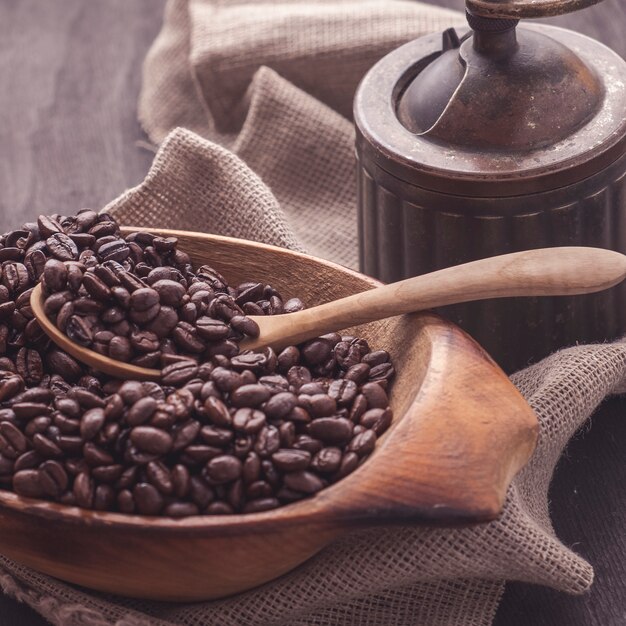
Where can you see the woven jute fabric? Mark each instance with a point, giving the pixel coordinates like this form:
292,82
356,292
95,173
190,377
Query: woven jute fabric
266,88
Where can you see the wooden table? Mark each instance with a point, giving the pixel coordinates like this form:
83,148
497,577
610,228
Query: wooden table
70,74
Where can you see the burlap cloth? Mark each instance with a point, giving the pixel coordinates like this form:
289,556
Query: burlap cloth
273,82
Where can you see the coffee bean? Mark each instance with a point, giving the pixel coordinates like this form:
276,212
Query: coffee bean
151,440
62,247
267,441
298,376
121,295
251,468
34,262
363,443
120,349
128,477
87,399
235,495
28,410
316,351
223,469
27,483
63,364
159,476
212,329
147,499
144,316
141,411
249,361
52,478
280,405
376,357
143,341
116,250
186,336
15,277
91,423
304,482
170,292
258,489
163,273
226,380
216,436
219,508
47,448
327,460
377,420
245,325
291,460
180,480
261,504
55,275
96,287
112,315
13,438
251,308
84,490
201,493
248,420
188,312
104,498
125,501
179,373
349,463
164,322
107,473
333,430
375,395
28,460
343,391
74,275
181,509
308,443
79,330
293,305
223,307
54,302
358,373
103,229
249,395
321,405
130,282
48,226
83,240
143,299
39,424
10,385
384,371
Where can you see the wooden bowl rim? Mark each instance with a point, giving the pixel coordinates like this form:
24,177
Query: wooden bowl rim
300,511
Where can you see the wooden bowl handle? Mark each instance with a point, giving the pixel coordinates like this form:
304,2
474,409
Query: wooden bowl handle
451,456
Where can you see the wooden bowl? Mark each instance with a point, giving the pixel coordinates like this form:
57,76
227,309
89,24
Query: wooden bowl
461,431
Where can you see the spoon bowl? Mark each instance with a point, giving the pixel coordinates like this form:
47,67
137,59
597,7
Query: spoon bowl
461,431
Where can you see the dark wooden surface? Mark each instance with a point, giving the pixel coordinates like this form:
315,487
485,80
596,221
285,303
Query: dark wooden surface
69,78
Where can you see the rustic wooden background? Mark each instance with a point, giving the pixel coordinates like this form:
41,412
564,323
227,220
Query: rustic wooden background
70,73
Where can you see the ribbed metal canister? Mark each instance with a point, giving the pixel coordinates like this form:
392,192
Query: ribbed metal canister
418,214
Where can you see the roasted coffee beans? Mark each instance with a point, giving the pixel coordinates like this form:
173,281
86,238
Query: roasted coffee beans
224,432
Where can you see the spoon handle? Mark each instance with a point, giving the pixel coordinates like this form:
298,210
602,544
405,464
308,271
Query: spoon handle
542,272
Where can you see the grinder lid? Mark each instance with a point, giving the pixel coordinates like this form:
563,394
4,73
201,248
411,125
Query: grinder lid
502,111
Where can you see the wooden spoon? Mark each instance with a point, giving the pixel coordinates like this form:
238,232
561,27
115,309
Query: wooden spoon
544,272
